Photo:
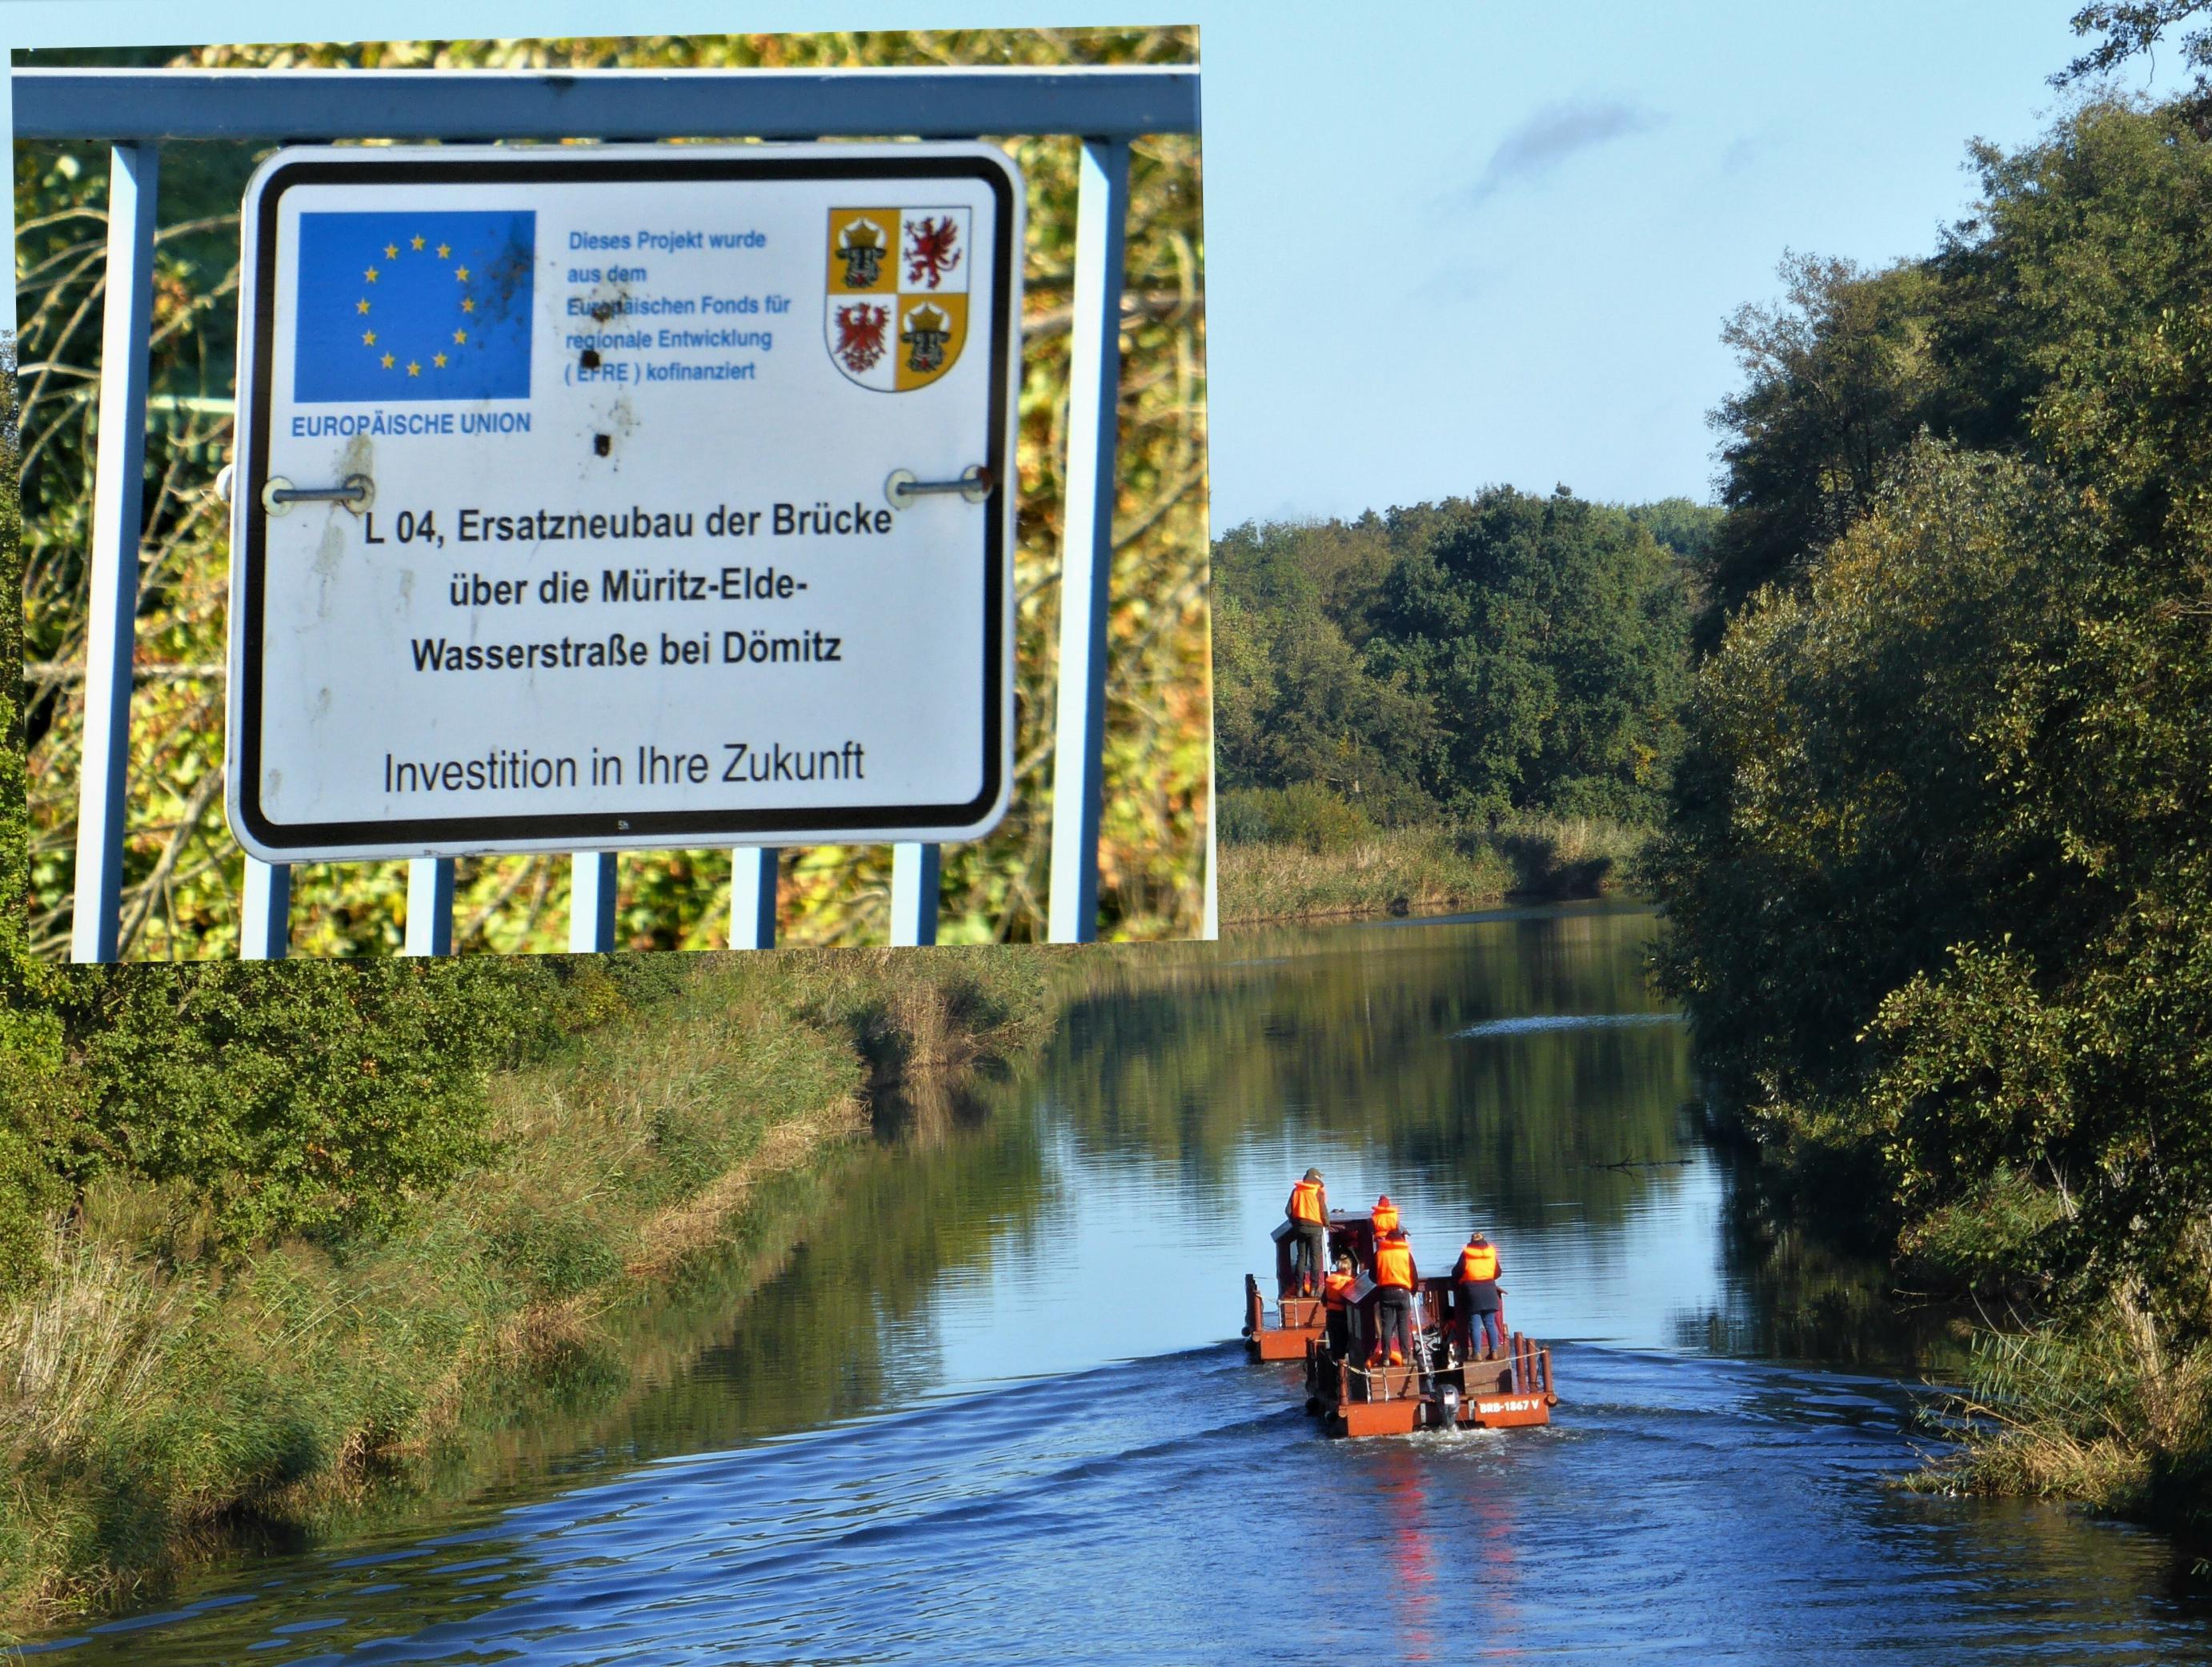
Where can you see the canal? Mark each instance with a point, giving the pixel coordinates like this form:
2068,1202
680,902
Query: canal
976,1395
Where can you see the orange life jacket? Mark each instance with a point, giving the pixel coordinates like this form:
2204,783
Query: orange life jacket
1393,1265
1305,1201
1384,1217
1478,1263
1336,1290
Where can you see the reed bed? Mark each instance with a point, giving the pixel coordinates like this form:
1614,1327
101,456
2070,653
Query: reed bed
1427,870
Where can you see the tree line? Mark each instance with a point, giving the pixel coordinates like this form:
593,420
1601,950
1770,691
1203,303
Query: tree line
1458,660
1937,863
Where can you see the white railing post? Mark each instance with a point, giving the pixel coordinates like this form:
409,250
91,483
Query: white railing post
118,506
752,897
591,903
429,905
914,870
1094,382
265,926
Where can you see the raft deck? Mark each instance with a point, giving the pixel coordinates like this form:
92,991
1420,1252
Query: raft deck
1513,1389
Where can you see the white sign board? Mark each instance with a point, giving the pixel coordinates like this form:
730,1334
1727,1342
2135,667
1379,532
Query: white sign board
666,498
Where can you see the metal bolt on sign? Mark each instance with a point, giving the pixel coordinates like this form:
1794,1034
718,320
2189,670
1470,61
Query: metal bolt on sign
356,492
974,486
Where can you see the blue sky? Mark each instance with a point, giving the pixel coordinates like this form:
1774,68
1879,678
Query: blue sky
1465,243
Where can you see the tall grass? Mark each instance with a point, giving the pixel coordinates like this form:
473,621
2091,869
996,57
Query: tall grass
1569,856
2107,1408
153,1397
1427,870
1400,871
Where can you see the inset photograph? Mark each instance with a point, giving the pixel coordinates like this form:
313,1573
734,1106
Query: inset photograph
659,492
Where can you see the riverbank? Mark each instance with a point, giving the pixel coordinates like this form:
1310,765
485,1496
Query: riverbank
1431,870
159,1402
2106,1407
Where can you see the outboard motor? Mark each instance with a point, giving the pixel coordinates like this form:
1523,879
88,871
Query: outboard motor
1447,1408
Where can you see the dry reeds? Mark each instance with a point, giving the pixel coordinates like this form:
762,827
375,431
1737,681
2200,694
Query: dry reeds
83,1347
1428,870
2099,1409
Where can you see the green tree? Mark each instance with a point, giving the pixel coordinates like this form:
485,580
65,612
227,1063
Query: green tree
1937,867
2131,27
1836,380
36,1084
1550,633
1295,701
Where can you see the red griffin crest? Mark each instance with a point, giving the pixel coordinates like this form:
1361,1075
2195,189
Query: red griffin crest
860,329
930,254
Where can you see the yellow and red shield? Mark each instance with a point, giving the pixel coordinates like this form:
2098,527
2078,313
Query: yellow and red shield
897,316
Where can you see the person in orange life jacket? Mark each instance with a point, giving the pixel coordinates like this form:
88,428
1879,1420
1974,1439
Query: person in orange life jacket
1383,1219
1395,1278
1307,1212
1478,1296
1336,1304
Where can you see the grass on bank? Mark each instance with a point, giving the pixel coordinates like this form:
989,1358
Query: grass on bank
1306,861
155,1398
1401,871
2102,1409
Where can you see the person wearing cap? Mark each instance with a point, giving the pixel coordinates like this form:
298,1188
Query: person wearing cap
1396,1278
1383,1218
1336,1304
1478,1296
1307,1212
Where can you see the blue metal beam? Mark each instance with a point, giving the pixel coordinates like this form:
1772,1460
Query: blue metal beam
118,492
592,903
429,905
265,926
139,105
1094,384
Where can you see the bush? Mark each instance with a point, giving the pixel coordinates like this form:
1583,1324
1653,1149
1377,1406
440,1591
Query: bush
1307,815
310,1098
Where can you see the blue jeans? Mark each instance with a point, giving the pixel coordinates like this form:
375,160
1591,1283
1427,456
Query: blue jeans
1482,1323
1308,1240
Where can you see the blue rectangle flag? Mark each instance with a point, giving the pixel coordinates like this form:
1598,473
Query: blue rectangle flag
413,305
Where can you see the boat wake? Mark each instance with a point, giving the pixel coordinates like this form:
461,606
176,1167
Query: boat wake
1540,1023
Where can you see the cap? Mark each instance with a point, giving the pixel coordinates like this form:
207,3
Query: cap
1313,1175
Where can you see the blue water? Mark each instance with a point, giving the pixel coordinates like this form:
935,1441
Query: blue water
1056,1452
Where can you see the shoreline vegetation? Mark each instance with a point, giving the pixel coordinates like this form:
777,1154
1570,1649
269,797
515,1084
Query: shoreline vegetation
170,1389
1432,869
1433,706
1939,896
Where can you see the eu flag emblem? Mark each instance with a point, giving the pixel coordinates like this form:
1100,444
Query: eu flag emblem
413,305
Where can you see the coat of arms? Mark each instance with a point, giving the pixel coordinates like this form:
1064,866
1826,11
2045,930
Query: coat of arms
896,316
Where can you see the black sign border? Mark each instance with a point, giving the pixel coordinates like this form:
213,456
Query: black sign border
489,833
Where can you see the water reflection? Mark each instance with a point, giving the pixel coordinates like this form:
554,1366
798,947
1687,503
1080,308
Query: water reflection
970,1396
